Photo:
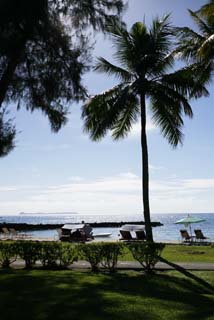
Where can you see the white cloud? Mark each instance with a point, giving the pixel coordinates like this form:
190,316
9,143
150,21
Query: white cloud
200,183
7,189
136,128
112,194
128,175
76,179
153,168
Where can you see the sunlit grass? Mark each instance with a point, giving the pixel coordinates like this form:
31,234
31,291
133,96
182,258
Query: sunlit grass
182,253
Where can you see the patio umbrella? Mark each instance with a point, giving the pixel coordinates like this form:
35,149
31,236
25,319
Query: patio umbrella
188,220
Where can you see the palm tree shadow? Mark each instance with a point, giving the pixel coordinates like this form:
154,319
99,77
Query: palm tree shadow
188,274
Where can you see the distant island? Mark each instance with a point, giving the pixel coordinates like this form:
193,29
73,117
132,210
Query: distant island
46,213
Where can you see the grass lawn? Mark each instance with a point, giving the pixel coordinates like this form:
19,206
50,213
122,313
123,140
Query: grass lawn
42,294
182,253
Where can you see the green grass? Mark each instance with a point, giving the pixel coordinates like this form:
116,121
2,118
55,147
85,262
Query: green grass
182,253
40,295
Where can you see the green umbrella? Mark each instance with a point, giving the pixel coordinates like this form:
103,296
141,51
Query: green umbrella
187,221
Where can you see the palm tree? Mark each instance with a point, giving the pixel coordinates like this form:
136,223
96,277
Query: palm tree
197,48
143,55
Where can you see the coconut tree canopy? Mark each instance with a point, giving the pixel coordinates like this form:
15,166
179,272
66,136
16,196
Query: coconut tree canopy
146,80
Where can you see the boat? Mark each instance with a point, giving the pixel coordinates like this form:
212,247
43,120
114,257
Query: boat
102,235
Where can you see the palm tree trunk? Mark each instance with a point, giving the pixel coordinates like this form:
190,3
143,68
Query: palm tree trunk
145,173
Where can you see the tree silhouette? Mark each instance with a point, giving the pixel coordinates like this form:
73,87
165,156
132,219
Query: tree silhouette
44,51
197,47
143,72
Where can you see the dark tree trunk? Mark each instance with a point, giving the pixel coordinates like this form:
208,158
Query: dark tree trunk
145,173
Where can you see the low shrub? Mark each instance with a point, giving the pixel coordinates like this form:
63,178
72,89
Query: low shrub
67,254
8,253
91,252
29,251
110,251
147,253
49,254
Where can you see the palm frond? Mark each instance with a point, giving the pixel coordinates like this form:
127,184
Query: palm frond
102,112
161,66
188,43
161,34
207,9
171,96
185,83
207,13
207,47
106,67
202,25
203,72
126,51
167,116
145,56
96,110
127,117
187,33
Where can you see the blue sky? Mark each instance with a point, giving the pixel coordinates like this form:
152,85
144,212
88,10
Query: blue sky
67,172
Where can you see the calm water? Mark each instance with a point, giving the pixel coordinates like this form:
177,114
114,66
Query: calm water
168,232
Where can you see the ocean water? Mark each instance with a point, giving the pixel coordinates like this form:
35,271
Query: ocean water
168,232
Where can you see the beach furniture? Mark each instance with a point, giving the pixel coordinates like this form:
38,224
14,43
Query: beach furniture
199,235
2,235
79,236
88,230
76,233
139,230
6,233
186,237
58,235
126,235
140,235
17,235
187,222
64,234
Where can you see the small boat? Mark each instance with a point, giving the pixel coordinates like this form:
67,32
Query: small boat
102,235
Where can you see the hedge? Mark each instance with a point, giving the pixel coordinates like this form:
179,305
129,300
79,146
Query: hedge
98,254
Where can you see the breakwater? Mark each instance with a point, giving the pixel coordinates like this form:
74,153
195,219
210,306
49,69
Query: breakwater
48,226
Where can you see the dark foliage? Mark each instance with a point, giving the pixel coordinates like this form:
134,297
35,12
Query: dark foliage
7,134
44,51
196,46
148,254
8,253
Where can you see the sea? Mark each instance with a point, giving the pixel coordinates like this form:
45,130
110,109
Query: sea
168,232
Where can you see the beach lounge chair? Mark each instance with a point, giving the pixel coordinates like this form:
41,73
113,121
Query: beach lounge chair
6,233
126,235
17,235
140,235
79,236
64,235
186,237
2,234
199,235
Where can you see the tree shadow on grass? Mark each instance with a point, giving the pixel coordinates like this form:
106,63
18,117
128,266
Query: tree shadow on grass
190,275
74,295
